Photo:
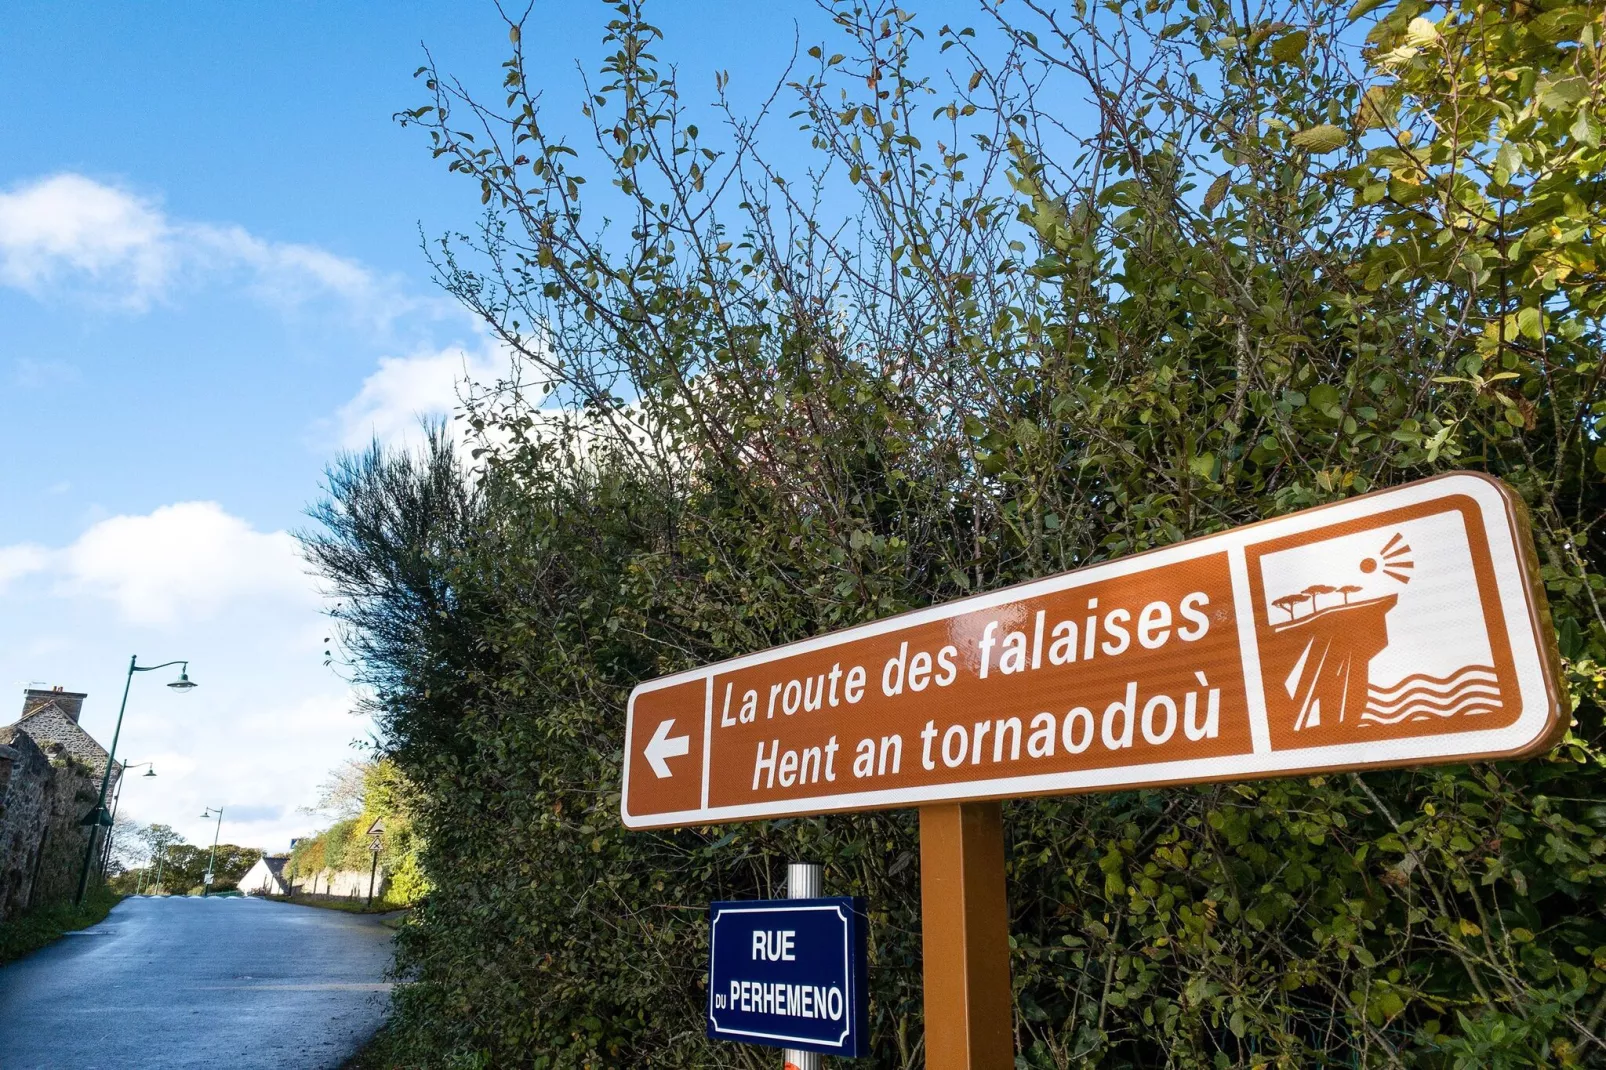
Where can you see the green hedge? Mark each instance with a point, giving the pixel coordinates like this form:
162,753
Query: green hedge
1276,268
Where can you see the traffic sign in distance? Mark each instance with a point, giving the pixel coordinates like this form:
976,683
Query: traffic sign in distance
790,973
1403,627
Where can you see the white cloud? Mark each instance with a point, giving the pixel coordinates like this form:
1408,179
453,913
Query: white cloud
189,581
69,232
286,273
21,560
403,389
71,224
186,560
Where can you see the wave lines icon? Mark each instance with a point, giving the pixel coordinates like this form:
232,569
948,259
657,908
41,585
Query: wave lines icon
1473,689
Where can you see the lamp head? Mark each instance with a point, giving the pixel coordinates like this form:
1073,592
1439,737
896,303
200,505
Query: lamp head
150,772
183,684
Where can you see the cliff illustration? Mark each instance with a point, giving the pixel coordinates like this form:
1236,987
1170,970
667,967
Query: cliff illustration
1319,663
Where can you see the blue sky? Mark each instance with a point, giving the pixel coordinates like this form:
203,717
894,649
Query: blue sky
210,282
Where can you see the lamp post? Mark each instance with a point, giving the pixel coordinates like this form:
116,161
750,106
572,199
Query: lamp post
106,852
182,685
206,884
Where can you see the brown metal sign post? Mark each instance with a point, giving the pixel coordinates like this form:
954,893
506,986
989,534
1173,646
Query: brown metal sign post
964,937
1401,628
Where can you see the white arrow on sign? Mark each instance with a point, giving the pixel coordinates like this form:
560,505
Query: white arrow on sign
661,746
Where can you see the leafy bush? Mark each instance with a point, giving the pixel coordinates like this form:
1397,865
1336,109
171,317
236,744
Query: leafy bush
33,929
1276,268
386,797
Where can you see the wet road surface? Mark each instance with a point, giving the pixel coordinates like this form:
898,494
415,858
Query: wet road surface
181,982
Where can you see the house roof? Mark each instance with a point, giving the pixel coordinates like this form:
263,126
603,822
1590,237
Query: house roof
52,727
70,702
275,864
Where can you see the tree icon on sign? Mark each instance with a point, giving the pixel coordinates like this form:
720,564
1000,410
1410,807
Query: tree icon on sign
1316,590
1287,603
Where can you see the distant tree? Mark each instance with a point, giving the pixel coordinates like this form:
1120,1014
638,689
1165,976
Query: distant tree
341,794
140,855
126,848
1347,590
157,839
185,866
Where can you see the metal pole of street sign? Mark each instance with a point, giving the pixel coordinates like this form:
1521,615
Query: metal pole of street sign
964,938
803,881
374,845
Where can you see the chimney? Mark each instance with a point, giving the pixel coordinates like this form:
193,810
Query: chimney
69,702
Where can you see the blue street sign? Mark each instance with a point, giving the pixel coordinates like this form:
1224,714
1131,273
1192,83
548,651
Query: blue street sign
790,973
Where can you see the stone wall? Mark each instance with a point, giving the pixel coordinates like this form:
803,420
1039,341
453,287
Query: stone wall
344,883
42,799
77,788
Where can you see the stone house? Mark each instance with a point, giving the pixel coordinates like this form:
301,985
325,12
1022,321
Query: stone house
50,771
266,877
51,718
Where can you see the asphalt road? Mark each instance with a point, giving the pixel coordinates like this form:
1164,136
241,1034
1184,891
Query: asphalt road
180,982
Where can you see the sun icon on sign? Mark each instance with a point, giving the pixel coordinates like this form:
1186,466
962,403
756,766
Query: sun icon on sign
1394,559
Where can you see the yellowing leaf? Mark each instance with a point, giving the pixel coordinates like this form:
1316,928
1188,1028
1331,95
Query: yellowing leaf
1403,190
1422,33
1290,46
1531,323
1375,110
1395,57
1215,194
1319,139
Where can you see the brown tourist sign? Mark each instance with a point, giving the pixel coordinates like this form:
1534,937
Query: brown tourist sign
1404,627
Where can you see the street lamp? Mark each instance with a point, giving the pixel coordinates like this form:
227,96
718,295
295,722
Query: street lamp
100,817
106,854
206,885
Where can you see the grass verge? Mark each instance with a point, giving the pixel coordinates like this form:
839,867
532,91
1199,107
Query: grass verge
390,915
336,902
33,929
